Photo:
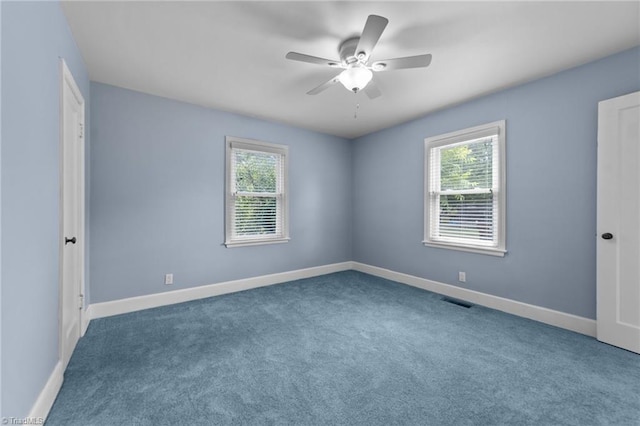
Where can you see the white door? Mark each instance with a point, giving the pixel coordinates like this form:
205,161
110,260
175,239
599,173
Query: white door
618,244
72,214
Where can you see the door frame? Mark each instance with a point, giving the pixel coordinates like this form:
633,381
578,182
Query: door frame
67,82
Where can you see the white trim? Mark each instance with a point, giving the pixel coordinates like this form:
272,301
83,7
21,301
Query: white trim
537,313
463,136
86,319
548,316
489,251
281,194
255,145
240,243
498,248
48,395
133,304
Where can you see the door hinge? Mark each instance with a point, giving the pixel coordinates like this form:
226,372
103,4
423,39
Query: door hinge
81,134
81,301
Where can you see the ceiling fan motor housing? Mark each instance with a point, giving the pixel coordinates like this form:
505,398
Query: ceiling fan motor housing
347,50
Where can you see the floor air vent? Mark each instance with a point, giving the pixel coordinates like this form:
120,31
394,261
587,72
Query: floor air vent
457,302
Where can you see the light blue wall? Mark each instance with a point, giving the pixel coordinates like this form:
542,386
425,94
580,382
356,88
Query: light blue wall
551,189
157,196
34,36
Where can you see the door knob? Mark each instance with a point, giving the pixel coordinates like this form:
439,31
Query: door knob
607,236
69,240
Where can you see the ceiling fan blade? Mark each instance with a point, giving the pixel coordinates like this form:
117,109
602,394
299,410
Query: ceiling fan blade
419,61
370,35
294,56
324,86
372,90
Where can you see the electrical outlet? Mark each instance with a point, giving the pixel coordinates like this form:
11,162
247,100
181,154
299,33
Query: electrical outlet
168,279
462,277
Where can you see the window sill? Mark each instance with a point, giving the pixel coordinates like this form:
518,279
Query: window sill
479,250
245,243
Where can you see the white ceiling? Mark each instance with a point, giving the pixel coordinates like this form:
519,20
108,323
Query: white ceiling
231,55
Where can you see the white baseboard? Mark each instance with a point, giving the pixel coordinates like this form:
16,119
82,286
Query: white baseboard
123,306
548,316
86,319
43,404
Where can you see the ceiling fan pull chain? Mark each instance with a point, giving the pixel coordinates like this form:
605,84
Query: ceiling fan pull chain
355,113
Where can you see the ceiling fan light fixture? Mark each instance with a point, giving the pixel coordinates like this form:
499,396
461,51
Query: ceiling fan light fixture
355,54
355,78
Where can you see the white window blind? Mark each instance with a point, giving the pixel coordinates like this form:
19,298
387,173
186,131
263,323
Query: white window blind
256,193
464,200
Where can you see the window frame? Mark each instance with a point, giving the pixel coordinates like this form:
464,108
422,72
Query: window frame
232,143
456,138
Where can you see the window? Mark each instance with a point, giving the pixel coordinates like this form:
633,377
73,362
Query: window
256,193
465,190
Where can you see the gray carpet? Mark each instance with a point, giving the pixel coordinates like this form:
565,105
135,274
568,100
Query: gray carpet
342,349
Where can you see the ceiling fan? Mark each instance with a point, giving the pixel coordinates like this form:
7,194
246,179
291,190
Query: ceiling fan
355,60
